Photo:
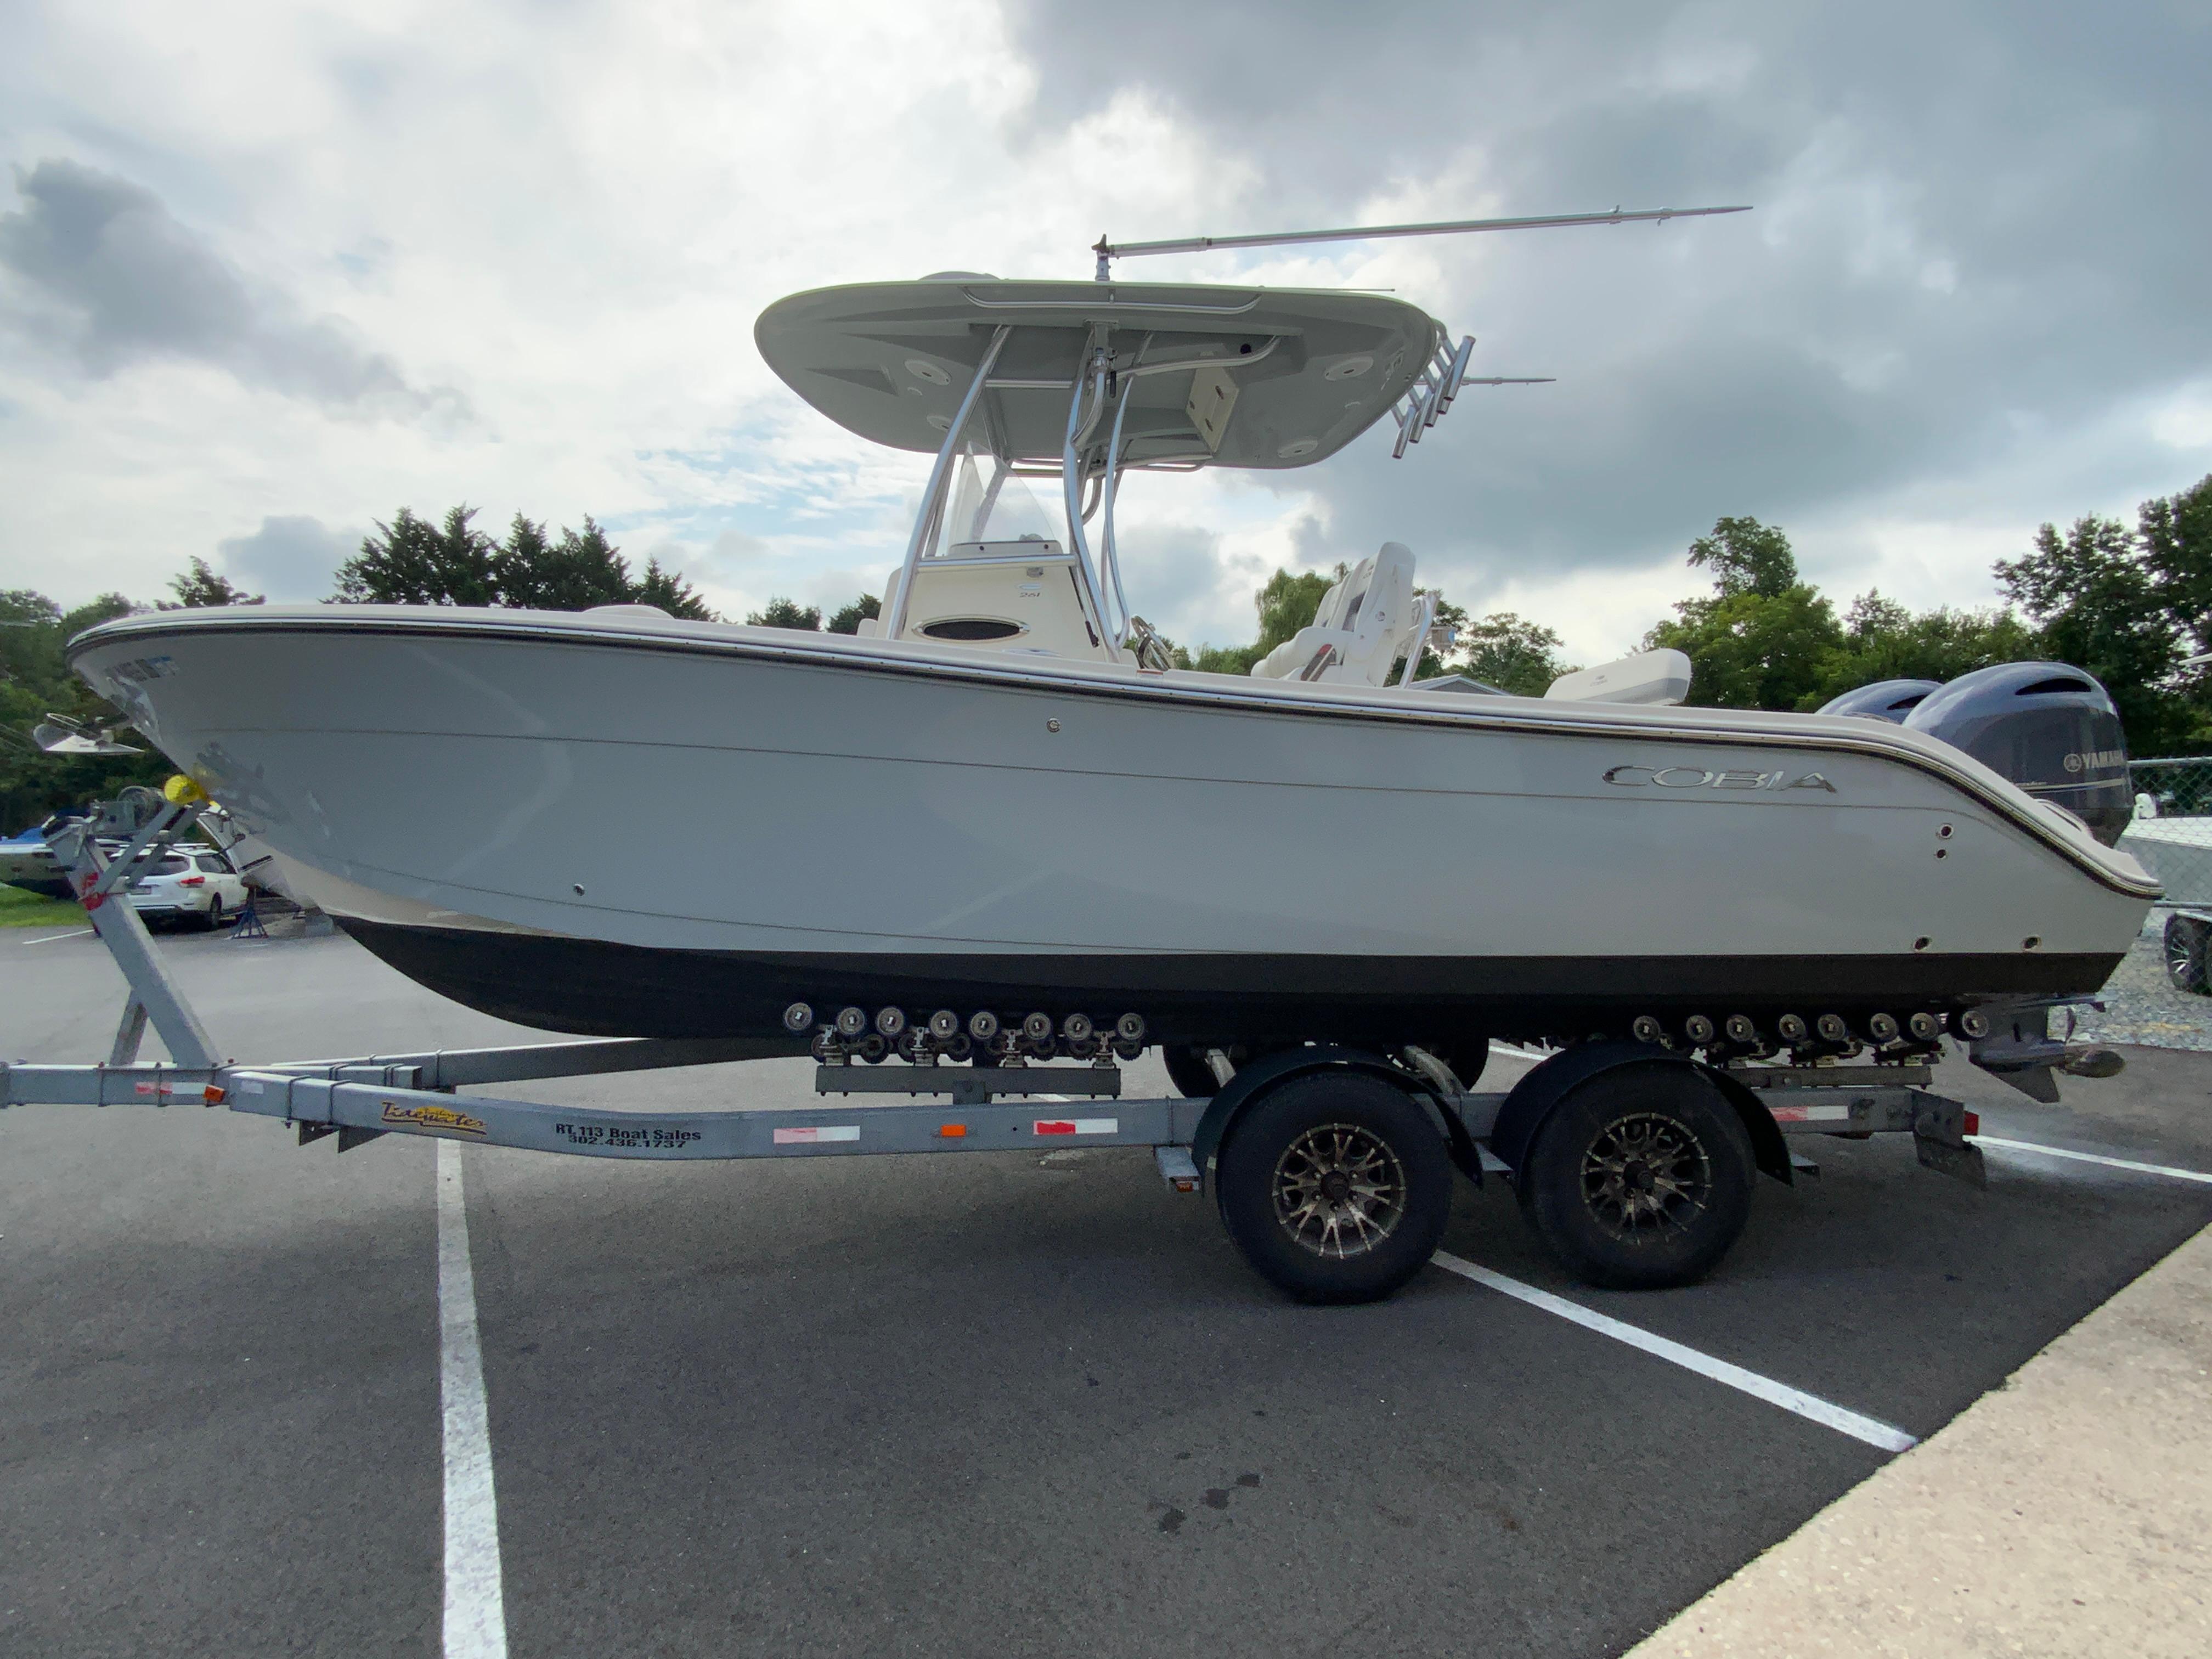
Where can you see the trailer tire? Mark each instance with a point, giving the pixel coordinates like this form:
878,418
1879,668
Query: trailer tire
1335,1186
2186,968
1640,1179
1187,1069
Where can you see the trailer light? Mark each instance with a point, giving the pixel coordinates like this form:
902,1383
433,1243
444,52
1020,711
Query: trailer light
213,1095
952,1131
1972,1123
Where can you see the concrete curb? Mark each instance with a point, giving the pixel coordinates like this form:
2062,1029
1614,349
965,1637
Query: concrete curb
2066,1514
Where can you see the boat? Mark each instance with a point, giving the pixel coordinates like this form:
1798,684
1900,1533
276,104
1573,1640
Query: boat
1005,800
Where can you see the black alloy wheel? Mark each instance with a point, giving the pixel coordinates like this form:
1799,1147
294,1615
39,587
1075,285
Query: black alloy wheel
1640,1179
2186,938
1335,1186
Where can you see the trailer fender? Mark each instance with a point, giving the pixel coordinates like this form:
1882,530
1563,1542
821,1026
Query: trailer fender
1255,1079
1533,1098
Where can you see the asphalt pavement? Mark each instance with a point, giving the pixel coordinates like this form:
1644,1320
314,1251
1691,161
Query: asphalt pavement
1019,1403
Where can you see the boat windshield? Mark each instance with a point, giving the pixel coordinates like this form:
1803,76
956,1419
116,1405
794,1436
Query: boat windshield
991,504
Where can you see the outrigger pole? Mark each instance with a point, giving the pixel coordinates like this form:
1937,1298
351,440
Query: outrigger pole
1109,252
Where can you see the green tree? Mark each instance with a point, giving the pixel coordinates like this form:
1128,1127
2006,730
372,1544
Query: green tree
36,680
2176,536
1746,557
671,594
412,561
201,586
1884,641
849,617
531,571
2097,605
1512,653
1763,638
780,612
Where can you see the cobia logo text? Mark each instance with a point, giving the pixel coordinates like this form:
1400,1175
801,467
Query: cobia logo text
1695,777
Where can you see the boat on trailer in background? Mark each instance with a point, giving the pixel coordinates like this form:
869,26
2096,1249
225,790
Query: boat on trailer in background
1001,826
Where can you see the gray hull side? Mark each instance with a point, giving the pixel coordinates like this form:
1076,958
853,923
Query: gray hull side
692,800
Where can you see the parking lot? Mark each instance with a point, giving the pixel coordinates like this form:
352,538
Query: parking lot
1015,1403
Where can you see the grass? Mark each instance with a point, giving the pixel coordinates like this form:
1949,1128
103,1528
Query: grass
21,909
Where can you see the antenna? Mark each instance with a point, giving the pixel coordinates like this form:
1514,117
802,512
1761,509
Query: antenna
1109,252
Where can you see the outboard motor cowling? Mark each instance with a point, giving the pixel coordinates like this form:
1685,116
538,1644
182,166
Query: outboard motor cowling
1885,700
2048,727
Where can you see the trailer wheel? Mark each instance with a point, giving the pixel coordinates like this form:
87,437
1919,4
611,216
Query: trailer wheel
1639,1180
1335,1186
2185,966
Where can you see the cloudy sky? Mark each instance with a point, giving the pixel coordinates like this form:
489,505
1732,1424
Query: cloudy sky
267,273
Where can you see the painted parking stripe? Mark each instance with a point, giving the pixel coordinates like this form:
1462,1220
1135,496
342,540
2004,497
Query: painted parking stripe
2166,1170
475,1609
1883,1435
51,938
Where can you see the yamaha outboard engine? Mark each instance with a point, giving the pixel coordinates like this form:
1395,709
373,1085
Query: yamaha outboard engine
1885,700
2051,729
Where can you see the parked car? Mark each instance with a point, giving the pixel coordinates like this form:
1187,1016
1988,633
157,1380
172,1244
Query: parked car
188,883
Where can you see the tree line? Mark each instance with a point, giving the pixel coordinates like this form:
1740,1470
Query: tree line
2132,605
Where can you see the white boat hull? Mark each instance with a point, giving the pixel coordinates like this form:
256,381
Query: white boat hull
615,825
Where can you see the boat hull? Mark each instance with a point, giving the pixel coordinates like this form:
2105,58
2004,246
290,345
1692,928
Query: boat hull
679,830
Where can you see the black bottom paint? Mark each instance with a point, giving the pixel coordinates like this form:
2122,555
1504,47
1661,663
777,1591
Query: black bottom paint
562,984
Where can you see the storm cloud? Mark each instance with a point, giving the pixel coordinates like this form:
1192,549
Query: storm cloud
101,262
291,556
1978,246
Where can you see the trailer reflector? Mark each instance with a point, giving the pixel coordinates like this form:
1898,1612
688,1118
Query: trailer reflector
812,1135
1811,1114
1078,1126
952,1131
1973,1123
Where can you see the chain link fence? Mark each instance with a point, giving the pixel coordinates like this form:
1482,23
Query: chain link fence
2171,836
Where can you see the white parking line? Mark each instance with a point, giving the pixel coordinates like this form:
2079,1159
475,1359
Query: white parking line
51,938
475,1609
2166,1170
1883,1435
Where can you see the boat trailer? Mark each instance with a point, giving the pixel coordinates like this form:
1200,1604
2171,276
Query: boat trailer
1331,1165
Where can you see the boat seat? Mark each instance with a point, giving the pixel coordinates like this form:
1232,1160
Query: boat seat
1361,630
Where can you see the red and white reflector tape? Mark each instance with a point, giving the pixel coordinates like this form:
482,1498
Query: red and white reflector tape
1811,1114
1078,1126
813,1134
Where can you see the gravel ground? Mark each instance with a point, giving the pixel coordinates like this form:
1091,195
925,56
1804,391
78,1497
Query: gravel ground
2142,1007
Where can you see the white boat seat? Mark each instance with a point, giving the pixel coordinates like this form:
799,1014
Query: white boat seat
1363,628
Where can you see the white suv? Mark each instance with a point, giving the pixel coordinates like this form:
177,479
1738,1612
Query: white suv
195,882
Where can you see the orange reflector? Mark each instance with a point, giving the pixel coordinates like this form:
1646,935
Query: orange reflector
952,1131
212,1095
